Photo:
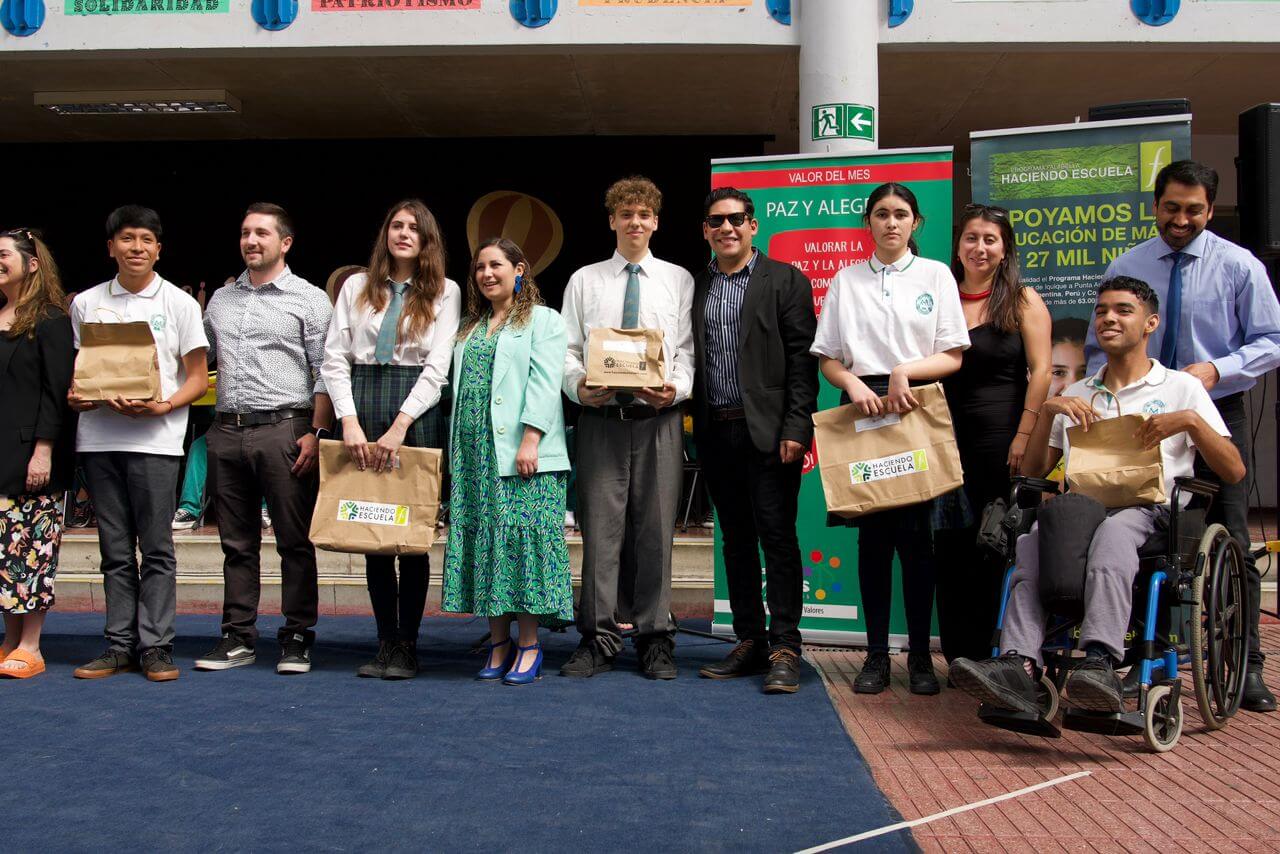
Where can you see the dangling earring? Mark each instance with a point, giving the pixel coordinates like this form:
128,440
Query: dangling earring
519,283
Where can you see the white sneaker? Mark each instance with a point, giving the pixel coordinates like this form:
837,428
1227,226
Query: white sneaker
570,521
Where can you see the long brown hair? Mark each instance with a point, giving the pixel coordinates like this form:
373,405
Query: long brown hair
427,281
477,307
1004,306
41,291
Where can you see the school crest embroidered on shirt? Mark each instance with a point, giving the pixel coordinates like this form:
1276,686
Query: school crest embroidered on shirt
924,303
157,322
1154,407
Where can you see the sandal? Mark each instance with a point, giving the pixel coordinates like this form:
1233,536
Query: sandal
30,665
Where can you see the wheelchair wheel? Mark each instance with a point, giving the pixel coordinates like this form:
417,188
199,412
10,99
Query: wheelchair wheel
1162,721
1218,636
1047,696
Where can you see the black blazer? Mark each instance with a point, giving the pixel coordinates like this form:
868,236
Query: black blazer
779,378
35,374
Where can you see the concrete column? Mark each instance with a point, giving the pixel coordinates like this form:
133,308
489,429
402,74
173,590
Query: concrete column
838,65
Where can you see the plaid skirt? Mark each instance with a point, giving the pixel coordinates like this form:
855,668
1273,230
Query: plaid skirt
380,390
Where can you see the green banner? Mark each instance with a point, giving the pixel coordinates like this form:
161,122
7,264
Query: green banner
810,212
1078,195
146,7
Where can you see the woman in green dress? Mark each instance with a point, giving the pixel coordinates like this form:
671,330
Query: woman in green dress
506,558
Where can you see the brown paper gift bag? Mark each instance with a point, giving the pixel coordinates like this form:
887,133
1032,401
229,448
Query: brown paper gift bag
626,359
873,464
1108,463
117,360
383,513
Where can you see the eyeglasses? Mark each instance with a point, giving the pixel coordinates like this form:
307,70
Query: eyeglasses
736,219
994,211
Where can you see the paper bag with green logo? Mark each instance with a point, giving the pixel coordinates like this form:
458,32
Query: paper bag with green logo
625,359
1108,463
367,512
873,464
117,360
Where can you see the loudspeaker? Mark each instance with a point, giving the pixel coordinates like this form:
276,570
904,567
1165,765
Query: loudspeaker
1258,177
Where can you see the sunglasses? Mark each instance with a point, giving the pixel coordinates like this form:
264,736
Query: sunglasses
991,210
736,219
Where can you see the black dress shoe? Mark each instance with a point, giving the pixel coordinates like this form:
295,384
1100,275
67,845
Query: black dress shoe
874,677
922,679
748,658
784,671
1256,697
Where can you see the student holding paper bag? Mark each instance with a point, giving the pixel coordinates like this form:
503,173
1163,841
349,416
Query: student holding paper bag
1181,421
36,452
386,365
887,322
131,450
507,559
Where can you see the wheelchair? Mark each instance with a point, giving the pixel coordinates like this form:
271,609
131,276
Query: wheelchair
1188,610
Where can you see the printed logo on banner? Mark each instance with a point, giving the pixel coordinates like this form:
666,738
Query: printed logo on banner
1154,156
883,468
924,303
371,512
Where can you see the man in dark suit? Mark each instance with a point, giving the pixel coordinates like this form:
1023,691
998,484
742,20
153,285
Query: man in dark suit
755,390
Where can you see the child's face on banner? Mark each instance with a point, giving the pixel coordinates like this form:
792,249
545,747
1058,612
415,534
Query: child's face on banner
1067,365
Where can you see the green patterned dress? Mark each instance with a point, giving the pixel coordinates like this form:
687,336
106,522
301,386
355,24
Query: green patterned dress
506,551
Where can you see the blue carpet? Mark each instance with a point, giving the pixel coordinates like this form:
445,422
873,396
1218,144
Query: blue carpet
248,760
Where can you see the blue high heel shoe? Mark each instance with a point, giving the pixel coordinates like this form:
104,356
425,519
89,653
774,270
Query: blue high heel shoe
526,677
507,660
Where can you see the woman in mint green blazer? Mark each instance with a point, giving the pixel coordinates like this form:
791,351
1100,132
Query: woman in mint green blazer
506,557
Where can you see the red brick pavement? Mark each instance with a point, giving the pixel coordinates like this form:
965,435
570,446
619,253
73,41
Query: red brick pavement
1213,792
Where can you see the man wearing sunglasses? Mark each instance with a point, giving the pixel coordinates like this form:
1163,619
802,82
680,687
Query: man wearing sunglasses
755,389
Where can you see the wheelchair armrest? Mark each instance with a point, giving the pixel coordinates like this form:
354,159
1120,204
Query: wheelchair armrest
1038,484
1199,486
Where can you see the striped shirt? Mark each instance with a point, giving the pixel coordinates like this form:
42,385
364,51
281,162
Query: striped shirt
725,296
268,342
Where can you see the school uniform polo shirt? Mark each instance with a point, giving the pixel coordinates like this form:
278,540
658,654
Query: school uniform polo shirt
174,319
1160,391
878,316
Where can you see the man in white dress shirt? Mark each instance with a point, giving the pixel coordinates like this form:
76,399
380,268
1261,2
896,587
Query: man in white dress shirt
630,460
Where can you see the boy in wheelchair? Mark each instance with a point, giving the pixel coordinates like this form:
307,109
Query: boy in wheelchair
1182,420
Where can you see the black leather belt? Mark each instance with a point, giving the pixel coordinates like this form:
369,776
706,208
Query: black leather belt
257,419
634,412
728,413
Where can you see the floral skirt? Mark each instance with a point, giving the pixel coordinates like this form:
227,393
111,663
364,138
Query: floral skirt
30,534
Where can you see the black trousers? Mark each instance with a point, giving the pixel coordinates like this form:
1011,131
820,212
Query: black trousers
969,583
254,463
398,606
907,531
756,497
1231,508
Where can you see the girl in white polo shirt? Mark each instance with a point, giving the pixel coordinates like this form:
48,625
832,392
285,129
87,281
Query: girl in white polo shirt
889,322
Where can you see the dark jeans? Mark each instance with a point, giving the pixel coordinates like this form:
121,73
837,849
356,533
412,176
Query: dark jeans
1231,508
135,496
397,608
755,496
254,463
905,529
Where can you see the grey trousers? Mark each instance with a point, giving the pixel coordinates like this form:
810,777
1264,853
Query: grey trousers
629,480
134,497
1108,589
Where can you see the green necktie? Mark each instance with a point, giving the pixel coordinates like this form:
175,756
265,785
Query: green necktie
386,346
630,315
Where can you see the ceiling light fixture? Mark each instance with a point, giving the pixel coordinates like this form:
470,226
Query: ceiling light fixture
143,103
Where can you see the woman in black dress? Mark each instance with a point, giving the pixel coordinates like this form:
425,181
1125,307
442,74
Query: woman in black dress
995,399
36,447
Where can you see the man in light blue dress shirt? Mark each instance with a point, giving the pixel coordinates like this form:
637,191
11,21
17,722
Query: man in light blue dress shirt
1222,311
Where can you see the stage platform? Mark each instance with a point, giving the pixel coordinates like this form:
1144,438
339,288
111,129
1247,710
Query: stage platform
246,760
342,582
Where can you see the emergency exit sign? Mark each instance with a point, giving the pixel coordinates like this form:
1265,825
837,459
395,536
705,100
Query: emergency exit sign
844,121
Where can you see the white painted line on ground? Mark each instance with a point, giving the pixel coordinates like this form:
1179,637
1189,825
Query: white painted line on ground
903,825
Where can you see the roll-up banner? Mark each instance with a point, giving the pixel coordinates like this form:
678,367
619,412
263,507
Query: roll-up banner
810,212
1078,195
